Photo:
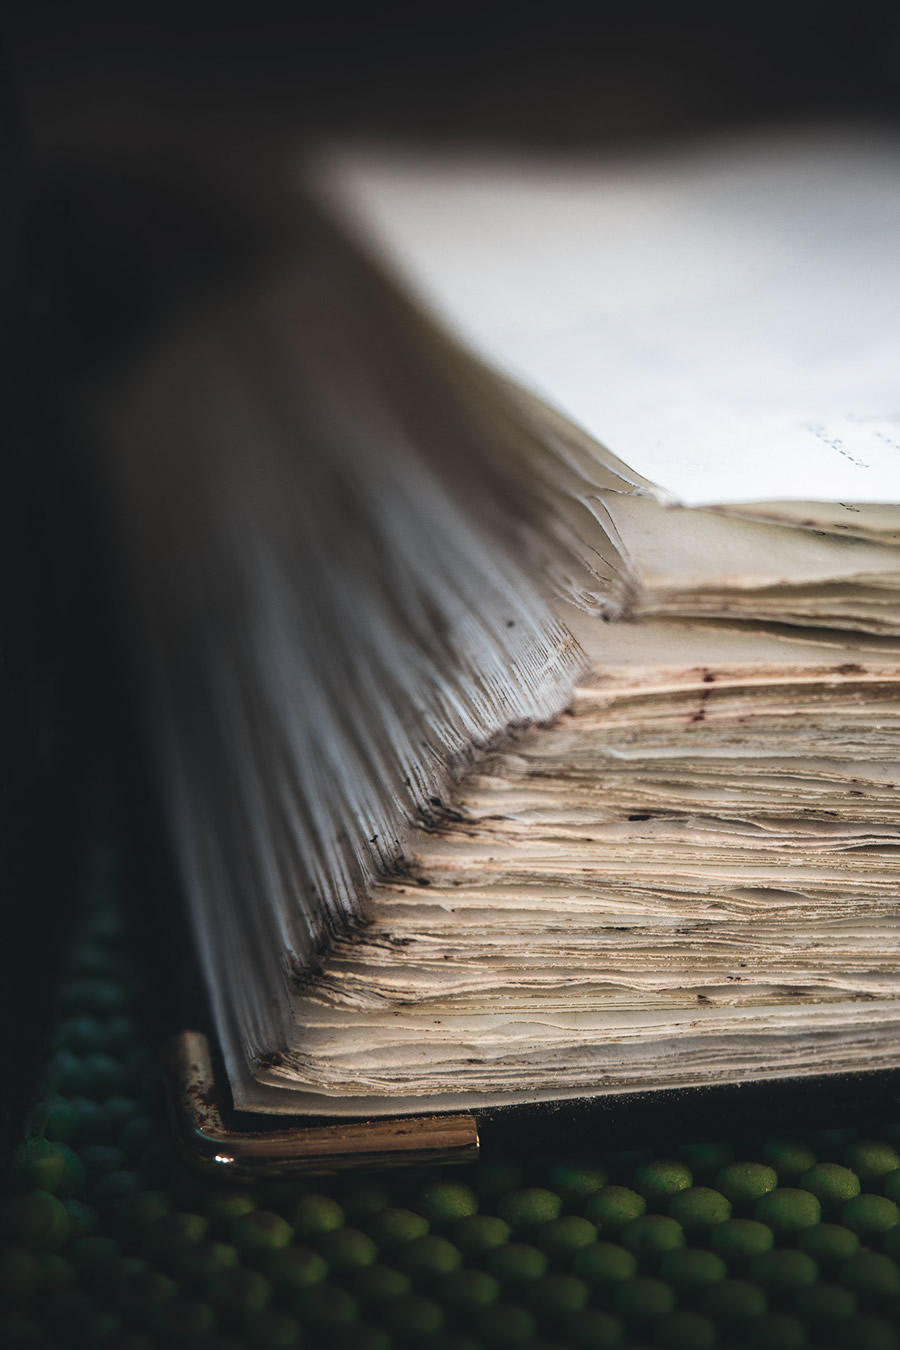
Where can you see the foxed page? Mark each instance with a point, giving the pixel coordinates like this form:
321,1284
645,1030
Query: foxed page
725,318
674,549
688,878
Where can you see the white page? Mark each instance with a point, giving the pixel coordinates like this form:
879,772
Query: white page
726,319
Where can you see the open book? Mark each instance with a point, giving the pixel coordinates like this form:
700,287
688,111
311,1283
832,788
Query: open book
496,774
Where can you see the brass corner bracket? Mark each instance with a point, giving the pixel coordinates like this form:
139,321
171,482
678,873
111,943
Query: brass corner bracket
244,1154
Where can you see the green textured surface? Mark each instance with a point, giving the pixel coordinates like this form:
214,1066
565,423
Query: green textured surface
111,1241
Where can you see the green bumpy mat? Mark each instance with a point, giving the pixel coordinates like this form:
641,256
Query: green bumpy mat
112,1241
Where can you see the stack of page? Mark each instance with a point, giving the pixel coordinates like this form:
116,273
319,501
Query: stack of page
515,572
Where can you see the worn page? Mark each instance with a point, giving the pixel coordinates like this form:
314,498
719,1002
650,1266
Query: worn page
689,877
724,317
672,549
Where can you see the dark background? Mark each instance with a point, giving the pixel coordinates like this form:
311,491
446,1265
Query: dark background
107,112
566,71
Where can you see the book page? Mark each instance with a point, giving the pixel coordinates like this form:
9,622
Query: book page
671,549
725,318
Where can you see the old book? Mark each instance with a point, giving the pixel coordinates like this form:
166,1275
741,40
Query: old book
514,568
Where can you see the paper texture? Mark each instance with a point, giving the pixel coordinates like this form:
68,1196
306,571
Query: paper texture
690,877
726,319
